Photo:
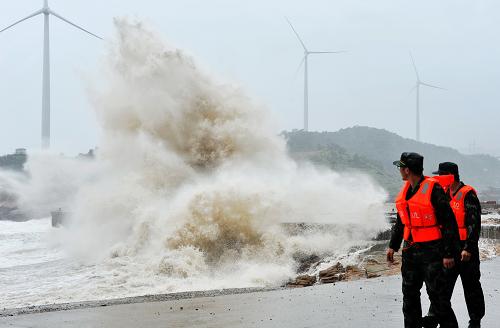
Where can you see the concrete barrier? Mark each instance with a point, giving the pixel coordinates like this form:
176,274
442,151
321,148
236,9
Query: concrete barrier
490,231
58,218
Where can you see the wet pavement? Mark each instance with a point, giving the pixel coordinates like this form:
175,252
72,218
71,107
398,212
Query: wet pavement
363,303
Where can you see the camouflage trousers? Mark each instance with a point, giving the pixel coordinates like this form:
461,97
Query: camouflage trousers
423,263
470,275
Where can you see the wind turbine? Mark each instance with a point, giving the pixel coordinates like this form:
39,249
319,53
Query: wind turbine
304,60
46,11
417,87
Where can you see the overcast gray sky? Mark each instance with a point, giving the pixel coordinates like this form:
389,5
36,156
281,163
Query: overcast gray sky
455,44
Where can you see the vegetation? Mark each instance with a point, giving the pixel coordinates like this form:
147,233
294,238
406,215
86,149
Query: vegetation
14,161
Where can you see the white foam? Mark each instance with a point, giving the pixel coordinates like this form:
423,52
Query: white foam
188,190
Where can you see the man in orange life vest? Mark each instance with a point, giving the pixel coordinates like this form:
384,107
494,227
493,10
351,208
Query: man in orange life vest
467,209
426,223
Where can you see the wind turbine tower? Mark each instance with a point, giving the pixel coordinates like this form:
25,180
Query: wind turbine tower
306,73
417,88
47,11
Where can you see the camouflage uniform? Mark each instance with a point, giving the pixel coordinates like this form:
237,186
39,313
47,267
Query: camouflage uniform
469,271
423,263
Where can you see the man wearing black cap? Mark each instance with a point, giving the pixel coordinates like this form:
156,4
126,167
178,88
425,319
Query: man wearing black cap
426,223
467,210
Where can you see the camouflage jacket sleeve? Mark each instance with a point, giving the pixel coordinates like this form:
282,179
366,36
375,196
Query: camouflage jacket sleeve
472,221
396,234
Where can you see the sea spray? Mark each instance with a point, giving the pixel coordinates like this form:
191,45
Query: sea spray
49,181
191,184
196,167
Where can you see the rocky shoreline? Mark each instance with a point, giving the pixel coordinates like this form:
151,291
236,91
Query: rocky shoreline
372,263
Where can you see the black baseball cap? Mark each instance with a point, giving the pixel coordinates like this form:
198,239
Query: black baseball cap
413,161
448,168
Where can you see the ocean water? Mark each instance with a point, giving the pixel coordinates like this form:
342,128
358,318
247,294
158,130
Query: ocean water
36,270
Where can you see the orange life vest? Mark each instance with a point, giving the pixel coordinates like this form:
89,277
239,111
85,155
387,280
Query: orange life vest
417,214
458,207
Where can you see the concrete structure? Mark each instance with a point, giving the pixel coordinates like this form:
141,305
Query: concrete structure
14,161
490,231
58,218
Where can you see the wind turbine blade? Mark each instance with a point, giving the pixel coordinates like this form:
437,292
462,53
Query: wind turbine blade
414,66
298,67
38,12
297,34
431,86
327,52
412,89
78,27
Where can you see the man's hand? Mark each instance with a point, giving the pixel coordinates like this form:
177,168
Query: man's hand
390,255
465,256
448,263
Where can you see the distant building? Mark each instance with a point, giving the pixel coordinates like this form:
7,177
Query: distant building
14,161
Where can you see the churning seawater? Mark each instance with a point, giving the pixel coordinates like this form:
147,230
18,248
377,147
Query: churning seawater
36,270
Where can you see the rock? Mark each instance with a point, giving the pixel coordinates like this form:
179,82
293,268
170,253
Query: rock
332,274
302,281
355,272
352,269
333,278
371,261
337,268
372,275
